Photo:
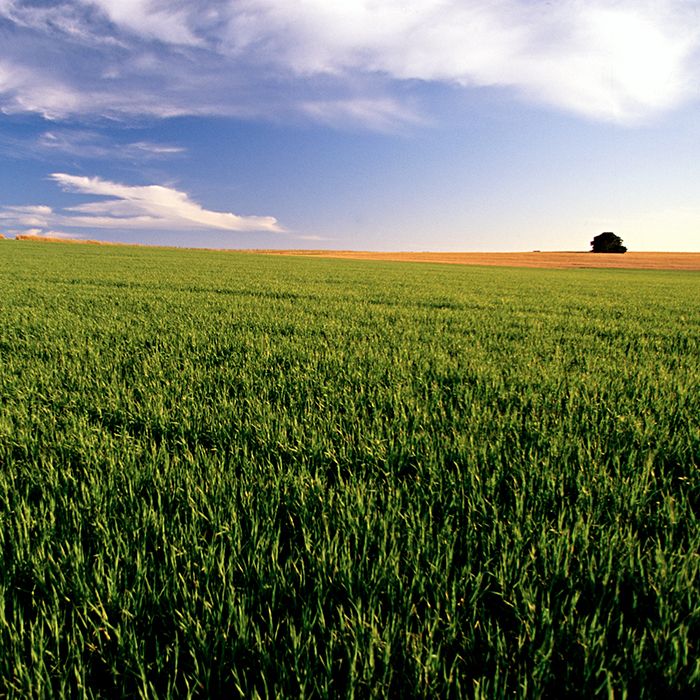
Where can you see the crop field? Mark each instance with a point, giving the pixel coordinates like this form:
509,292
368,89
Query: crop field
556,260
228,475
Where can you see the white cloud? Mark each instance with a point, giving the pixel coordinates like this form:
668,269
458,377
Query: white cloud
90,144
150,207
32,232
32,216
57,97
24,90
166,21
618,60
615,60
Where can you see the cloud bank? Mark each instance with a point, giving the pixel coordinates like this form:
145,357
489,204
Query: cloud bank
127,207
623,61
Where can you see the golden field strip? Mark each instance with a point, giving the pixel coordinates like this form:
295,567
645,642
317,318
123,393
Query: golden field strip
562,260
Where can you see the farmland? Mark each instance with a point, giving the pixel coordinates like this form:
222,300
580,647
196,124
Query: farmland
235,475
538,259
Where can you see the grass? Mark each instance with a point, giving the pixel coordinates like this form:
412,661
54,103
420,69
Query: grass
232,475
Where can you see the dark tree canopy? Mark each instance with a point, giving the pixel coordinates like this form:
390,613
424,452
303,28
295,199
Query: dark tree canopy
607,242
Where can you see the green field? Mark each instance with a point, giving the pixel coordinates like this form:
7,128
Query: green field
231,475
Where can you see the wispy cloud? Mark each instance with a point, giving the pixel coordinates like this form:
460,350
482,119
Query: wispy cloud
621,60
155,149
128,207
379,114
171,22
91,144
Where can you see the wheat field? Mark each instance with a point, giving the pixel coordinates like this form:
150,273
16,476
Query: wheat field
236,475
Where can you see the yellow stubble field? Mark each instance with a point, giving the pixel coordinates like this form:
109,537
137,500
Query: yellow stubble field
563,260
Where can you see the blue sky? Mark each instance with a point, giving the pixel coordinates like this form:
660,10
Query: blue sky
368,124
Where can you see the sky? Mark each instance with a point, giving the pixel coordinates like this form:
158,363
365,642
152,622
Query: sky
446,125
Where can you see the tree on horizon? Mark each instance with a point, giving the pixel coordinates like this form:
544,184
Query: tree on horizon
607,242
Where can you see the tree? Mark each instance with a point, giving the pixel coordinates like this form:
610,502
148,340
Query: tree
607,242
